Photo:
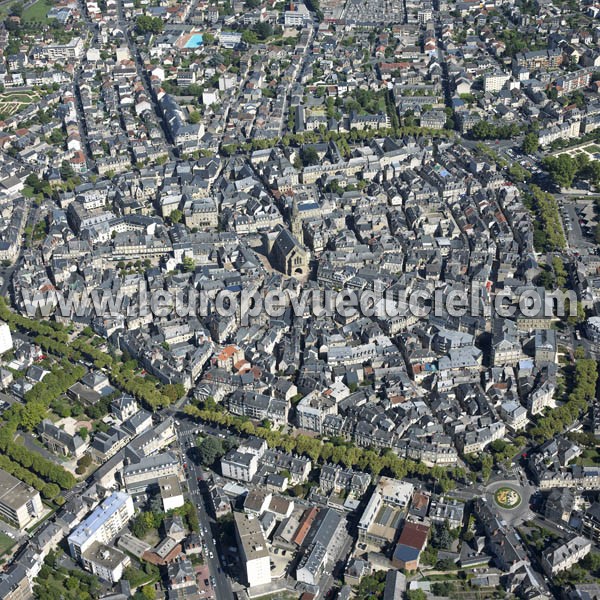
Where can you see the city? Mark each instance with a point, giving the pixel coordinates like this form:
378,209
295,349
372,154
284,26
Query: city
299,300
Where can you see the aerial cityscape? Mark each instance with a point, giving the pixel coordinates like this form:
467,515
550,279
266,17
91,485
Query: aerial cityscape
299,300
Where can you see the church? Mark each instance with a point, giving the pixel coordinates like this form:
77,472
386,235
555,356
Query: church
287,252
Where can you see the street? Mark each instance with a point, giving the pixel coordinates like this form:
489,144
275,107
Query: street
186,436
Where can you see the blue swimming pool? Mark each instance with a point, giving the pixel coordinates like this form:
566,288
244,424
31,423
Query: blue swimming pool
195,41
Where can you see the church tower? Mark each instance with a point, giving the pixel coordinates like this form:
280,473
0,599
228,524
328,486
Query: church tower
296,223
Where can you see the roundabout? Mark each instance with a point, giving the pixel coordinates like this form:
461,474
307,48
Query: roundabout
507,497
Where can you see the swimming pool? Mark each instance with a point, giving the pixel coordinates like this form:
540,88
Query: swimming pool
195,41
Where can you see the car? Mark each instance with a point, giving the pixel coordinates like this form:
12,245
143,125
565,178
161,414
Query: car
211,555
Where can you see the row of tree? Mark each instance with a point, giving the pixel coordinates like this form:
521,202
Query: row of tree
484,130
584,377
52,329
548,235
324,135
38,399
33,461
145,389
52,338
49,491
336,451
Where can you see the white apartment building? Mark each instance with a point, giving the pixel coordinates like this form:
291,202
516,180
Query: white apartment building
240,466
6,342
105,562
253,549
20,504
494,82
102,524
73,49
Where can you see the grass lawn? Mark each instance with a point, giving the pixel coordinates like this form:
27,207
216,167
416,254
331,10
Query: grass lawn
37,11
589,458
18,97
593,148
6,543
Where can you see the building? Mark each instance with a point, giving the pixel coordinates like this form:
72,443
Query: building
494,82
139,476
559,505
288,255
64,52
20,504
254,554
592,329
312,410
447,510
59,441
105,561
379,527
541,397
124,407
334,478
182,579
297,15
102,525
321,550
590,522
539,59
514,415
564,556
241,466
434,119
411,543
170,492
395,585
6,342
14,584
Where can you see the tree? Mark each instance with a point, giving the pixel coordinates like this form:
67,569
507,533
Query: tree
531,143
309,156
173,391
579,315
83,433
175,216
83,464
16,10
194,117
146,24
486,461
263,30
209,449
50,491
66,170
249,37
518,173
149,592
188,264
562,169
36,412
